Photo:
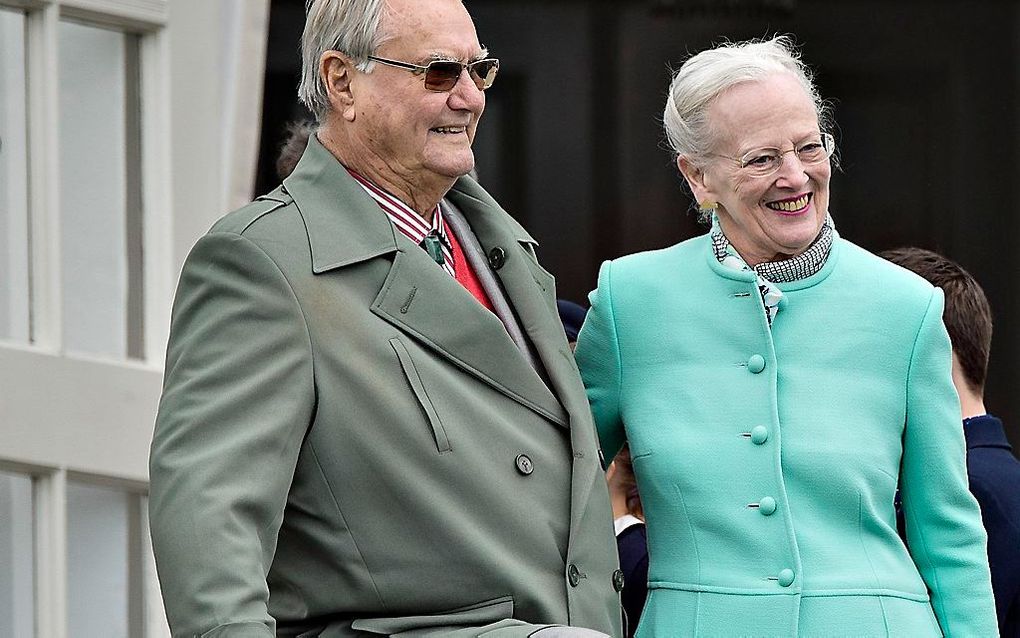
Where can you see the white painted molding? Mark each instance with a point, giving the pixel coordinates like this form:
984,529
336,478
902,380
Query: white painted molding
246,23
130,14
43,177
94,418
160,270
24,4
50,499
156,625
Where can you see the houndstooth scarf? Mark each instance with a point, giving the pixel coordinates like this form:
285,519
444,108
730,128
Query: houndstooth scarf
769,273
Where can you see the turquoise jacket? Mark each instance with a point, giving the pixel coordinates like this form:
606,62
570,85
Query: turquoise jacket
768,459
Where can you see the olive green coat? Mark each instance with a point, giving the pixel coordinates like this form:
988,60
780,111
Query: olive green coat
337,446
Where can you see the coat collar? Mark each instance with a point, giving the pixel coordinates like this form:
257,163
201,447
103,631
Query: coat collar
318,184
985,431
345,226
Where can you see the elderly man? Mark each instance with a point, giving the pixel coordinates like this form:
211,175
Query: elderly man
371,422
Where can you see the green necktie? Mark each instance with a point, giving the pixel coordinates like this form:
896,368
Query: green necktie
434,247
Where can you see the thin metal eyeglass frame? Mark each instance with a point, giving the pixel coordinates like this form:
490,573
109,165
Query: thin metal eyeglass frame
828,143
482,82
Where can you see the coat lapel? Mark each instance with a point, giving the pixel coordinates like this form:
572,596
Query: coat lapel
536,308
345,226
424,301
530,289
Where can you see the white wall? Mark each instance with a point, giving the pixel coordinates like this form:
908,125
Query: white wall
217,63
72,416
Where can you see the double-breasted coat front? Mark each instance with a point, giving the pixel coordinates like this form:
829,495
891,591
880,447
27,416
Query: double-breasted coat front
348,443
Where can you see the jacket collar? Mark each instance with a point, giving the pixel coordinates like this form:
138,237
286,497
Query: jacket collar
318,185
985,431
319,182
345,226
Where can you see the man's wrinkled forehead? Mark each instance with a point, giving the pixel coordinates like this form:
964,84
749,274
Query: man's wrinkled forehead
401,18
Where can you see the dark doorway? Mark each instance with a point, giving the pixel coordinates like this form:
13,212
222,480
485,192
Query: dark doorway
924,95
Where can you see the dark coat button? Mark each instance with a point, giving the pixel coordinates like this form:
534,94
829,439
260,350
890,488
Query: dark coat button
573,575
524,464
618,580
497,257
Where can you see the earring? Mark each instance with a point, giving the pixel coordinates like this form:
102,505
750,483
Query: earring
707,206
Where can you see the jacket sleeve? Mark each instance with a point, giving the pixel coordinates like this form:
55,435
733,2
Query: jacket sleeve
598,358
943,523
238,396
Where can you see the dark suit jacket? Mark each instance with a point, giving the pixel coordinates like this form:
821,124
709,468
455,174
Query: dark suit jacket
338,449
995,481
632,545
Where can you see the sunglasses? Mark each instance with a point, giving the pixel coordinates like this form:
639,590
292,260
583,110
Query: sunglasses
442,75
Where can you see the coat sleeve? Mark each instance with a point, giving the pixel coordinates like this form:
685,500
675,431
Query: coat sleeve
238,396
943,523
509,628
598,358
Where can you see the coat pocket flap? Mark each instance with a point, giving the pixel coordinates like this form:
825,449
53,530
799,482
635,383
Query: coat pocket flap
414,379
478,614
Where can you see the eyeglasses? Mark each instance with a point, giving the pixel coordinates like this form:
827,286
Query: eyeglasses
442,75
763,162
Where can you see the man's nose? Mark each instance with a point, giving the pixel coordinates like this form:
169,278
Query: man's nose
466,95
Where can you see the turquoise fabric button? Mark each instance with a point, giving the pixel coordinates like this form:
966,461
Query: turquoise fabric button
759,434
786,578
767,506
756,363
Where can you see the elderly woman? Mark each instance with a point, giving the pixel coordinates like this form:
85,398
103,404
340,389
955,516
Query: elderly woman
777,384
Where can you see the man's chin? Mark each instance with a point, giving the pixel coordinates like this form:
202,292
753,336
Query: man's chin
452,167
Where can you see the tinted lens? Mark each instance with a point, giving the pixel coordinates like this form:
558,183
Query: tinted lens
442,75
483,72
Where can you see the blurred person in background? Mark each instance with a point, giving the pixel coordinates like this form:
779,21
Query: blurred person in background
293,147
776,383
631,536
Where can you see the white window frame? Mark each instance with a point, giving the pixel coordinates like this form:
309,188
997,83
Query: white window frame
147,19
65,417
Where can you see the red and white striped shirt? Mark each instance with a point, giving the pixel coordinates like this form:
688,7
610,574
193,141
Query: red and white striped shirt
416,229
411,223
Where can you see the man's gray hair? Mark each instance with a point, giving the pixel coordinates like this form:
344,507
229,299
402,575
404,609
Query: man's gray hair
707,74
348,26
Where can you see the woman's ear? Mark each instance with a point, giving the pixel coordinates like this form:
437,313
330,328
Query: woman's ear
337,73
697,181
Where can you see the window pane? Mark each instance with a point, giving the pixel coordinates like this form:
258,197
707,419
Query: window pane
14,295
100,227
17,581
97,561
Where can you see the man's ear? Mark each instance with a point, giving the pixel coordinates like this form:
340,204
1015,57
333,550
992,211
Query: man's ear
697,180
337,73
611,472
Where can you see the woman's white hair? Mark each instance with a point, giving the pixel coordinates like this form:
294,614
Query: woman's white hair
707,74
349,26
